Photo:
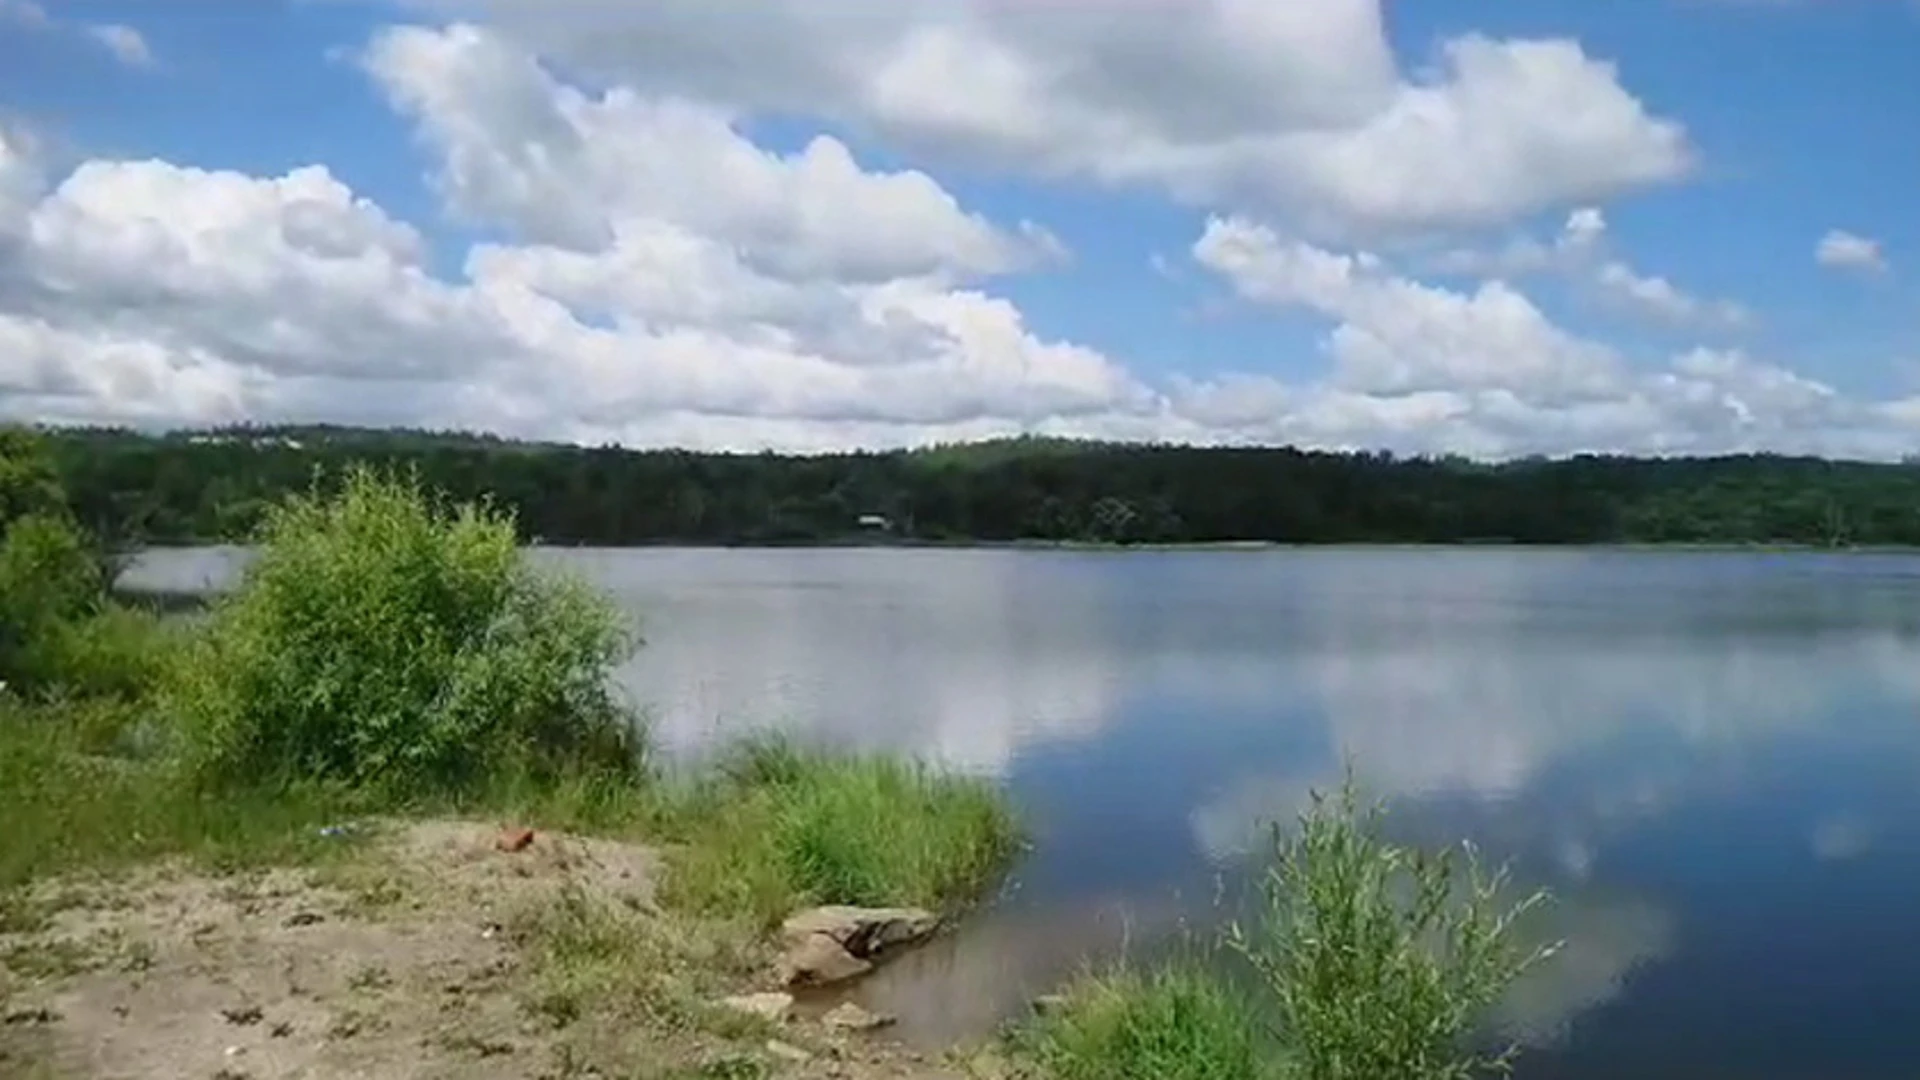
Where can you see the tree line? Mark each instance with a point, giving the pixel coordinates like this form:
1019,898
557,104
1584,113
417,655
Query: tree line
212,485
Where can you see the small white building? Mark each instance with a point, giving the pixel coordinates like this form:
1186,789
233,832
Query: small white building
876,522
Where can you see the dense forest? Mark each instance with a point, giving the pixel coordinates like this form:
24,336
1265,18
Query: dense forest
136,488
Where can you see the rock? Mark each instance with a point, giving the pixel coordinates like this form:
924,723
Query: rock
1048,1004
863,932
850,1017
787,1051
244,1016
819,960
511,840
770,1006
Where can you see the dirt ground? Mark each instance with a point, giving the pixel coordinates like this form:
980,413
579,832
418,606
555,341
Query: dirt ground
417,954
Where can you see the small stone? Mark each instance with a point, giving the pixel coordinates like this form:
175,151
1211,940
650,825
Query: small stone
280,1030
848,1016
819,960
787,1051
512,840
863,932
1049,1004
245,1016
774,1006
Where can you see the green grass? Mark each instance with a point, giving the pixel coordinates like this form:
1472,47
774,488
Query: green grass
1171,1023
1370,961
780,826
67,808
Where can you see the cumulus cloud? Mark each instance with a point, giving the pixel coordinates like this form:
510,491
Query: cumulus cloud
1485,371
1582,253
1300,107
652,275
1842,250
667,281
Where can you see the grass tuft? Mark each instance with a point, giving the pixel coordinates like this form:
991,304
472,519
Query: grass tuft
1171,1023
782,826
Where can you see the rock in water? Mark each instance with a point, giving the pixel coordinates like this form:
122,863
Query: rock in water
818,960
863,932
850,1017
771,1006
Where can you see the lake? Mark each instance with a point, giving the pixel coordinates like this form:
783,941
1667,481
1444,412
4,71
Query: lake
1712,759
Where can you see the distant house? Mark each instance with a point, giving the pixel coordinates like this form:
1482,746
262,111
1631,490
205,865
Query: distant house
876,522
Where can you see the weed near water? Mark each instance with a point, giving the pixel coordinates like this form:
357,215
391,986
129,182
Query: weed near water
1370,961
779,826
1172,1023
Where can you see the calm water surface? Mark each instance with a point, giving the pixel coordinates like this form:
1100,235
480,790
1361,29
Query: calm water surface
1712,759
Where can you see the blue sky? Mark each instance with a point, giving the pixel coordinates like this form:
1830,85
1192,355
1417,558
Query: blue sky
1499,227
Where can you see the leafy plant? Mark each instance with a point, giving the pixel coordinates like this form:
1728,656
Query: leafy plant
1378,960
403,648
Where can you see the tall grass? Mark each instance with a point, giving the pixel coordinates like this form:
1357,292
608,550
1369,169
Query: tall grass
67,805
780,826
1171,1023
402,648
1379,960
1370,961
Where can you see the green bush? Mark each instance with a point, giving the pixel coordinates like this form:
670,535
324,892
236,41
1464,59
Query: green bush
402,648
783,826
1176,1023
49,575
1379,961
116,652
29,483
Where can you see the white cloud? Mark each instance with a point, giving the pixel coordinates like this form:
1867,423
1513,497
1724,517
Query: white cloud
1581,253
124,42
653,276
1288,106
1842,250
1485,372
562,167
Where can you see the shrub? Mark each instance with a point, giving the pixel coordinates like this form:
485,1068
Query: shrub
784,826
1379,961
116,652
389,643
49,574
1176,1023
29,483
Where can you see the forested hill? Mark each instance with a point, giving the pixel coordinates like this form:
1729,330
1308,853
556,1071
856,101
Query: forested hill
212,485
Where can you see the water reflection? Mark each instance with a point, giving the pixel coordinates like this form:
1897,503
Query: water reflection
1711,759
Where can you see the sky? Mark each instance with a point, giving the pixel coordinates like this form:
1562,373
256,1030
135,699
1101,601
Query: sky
1485,227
